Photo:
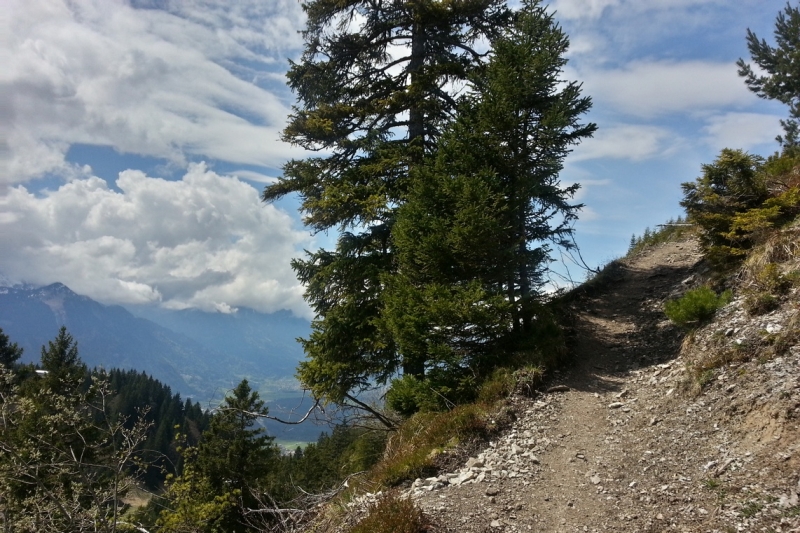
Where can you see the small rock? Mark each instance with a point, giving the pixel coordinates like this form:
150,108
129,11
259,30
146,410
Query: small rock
615,405
492,491
558,388
787,501
496,523
595,479
473,462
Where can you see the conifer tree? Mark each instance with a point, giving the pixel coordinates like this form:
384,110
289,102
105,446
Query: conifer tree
372,90
65,371
781,70
65,462
473,238
9,352
223,473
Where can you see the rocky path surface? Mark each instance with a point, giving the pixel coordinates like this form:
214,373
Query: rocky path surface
617,443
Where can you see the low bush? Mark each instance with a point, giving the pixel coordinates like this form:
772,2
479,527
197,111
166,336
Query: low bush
695,307
392,514
408,395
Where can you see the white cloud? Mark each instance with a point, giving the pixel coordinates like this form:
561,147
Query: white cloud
653,89
143,81
204,241
741,130
627,141
582,9
594,9
254,176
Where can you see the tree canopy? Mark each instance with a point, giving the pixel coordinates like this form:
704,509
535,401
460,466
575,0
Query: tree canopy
441,127
472,239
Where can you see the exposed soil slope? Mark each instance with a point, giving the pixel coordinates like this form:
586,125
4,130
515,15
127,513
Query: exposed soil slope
626,440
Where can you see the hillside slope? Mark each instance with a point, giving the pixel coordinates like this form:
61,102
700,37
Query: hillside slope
630,439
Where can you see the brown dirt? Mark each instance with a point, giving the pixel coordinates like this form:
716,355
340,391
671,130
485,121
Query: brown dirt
636,443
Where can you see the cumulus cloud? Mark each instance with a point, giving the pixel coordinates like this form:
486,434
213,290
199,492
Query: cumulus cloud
163,83
203,241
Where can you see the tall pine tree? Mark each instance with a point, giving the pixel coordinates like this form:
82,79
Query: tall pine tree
222,476
374,88
474,236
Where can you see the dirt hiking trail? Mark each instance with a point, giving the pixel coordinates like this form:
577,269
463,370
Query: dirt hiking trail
618,443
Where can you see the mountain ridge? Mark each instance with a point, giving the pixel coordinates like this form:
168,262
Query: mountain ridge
113,336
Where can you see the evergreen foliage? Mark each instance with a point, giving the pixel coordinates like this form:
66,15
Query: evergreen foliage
222,475
473,238
9,352
167,414
674,229
781,67
732,184
65,372
739,199
445,205
696,306
370,92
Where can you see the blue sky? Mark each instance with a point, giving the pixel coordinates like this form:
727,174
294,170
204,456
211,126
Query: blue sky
135,137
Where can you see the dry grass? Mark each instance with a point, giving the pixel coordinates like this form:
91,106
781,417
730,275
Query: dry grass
411,451
392,514
781,248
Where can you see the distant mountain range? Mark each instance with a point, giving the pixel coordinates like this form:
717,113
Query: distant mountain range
198,354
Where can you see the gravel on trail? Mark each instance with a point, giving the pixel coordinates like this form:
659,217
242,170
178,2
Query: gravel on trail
622,442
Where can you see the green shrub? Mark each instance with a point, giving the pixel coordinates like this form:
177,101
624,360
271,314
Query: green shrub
408,395
696,306
500,385
392,514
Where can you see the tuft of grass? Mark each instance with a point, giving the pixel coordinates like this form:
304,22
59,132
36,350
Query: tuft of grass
716,487
751,508
791,512
696,306
705,377
411,450
392,514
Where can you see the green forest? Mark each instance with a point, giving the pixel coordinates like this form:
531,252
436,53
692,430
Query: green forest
439,129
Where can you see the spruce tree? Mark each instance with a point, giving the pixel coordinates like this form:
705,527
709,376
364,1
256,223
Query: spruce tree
65,460
9,352
781,67
222,475
373,98
473,239
65,371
